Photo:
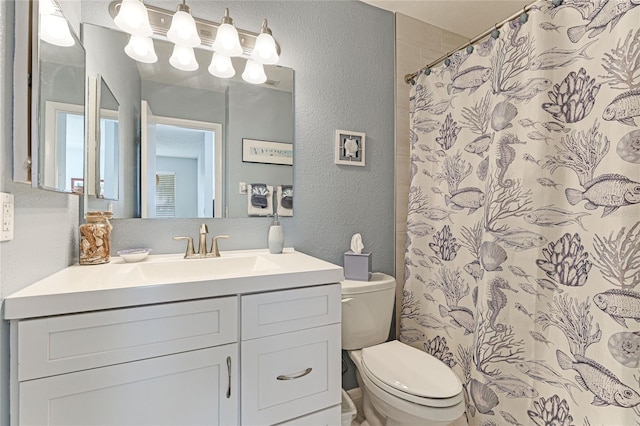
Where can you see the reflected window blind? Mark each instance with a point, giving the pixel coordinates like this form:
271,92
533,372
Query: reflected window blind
165,194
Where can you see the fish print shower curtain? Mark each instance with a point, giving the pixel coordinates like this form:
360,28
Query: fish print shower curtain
522,268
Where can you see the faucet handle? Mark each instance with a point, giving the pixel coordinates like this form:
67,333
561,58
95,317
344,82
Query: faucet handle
204,229
190,250
214,245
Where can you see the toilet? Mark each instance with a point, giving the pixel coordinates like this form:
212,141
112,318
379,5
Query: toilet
400,385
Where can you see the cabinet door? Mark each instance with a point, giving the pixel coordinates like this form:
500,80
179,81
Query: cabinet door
190,388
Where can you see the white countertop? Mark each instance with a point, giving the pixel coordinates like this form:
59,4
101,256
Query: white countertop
119,284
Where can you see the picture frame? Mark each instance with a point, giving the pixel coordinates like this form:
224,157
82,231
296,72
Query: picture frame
267,152
350,148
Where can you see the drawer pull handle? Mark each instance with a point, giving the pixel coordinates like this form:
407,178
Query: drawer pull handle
347,299
229,373
304,373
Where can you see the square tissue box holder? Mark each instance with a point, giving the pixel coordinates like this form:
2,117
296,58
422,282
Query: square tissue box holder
357,266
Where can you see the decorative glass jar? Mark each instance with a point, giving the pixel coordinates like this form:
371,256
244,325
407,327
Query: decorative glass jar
95,244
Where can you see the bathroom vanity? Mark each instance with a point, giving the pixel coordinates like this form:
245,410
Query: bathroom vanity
249,338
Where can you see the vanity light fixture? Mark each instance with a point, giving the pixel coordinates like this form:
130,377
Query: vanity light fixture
183,29
133,18
221,66
183,58
140,48
54,29
265,50
227,41
254,72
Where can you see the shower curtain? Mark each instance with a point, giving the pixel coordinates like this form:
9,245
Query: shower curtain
522,264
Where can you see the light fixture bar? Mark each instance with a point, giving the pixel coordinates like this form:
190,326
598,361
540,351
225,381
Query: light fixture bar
160,21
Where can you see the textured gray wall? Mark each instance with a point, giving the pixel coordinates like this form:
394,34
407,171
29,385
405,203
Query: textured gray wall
343,56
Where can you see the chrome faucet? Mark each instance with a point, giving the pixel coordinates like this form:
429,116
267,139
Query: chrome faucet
202,245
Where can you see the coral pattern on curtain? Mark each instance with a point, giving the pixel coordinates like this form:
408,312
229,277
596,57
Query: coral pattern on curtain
522,265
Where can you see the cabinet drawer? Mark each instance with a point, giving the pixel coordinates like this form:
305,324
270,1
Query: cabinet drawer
330,417
290,375
267,314
63,344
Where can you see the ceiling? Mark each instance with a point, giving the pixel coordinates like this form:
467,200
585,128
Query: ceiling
468,18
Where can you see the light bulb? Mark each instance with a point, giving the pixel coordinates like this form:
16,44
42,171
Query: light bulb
183,29
141,49
55,30
227,41
183,58
265,50
254,72
221,66
133,18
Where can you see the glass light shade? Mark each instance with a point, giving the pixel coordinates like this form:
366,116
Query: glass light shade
183,30
227,41
55,30
141,49
254,72
133,18
265,50
221,66
46,7
183,58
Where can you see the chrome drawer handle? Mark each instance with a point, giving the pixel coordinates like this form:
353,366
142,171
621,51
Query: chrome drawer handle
229,372
304,373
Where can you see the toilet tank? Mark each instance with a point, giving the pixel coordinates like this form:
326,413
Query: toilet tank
367,307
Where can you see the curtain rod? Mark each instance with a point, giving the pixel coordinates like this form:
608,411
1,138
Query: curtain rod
409,77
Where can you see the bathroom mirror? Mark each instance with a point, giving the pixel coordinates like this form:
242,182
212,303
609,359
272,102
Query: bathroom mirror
103,140
108,147
186,143
54,158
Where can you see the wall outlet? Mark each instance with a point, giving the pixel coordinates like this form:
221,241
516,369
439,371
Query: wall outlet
6,216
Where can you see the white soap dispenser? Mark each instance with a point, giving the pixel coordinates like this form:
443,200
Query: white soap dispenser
276,236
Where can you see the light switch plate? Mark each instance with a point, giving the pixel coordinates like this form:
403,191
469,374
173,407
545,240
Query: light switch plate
6,216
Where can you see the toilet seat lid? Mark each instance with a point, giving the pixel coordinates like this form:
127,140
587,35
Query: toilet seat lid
411,371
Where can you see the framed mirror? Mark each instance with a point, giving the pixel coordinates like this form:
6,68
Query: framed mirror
53,111
181,138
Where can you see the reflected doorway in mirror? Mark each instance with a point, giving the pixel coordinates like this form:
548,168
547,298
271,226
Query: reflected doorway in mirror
349,148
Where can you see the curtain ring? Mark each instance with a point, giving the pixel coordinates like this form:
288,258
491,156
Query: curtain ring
495,33
525,16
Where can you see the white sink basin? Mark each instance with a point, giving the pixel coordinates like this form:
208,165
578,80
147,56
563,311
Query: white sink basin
208,268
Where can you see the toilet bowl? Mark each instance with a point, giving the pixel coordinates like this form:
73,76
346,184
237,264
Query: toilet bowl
401,385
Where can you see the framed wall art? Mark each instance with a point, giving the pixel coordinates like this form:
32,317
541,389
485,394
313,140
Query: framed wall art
349,148
256,151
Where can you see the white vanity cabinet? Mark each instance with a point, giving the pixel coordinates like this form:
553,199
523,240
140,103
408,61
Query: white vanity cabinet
168,364
251,338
